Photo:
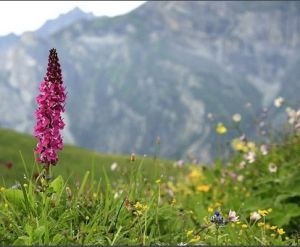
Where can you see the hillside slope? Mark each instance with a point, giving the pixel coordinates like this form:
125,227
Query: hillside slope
73,161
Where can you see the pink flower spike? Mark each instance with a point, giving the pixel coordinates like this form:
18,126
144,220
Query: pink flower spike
51,103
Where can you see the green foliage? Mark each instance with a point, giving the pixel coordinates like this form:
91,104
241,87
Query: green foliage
151,202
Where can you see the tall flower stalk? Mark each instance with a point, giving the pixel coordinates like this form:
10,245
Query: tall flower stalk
49,123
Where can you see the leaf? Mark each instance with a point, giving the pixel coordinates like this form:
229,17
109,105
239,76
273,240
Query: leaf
39,232
23,240
15,197
57,184
57,239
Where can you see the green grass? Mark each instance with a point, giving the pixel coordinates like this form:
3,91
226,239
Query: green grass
149,202
73,161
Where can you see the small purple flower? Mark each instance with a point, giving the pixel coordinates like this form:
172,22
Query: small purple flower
51,102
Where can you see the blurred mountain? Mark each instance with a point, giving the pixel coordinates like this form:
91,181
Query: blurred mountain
158,71
62,21
7,41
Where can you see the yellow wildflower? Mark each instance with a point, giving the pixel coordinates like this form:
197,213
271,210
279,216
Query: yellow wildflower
195,175
218,204
244,226
140,208
270,210
239,145
221,129
237,222
263,212
251,146
203,188
280,231
210,209
273,227
2,189
273,235
261,224
268,226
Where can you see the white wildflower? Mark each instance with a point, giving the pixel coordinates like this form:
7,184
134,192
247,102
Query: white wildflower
278,102
114,166
236,117
255,216
272,168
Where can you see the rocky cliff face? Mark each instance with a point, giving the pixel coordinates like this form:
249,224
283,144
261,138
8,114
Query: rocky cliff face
158,71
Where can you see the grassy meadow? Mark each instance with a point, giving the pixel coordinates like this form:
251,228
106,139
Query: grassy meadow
253,198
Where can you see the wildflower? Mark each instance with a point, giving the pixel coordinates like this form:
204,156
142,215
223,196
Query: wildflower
195,175
180,163
261,224
272,168
203,188
240,178
233,175
218,204
263,212
273,227
293,116
264,149
210,209
280,231
278,102
132,157
113,166
250,157
221,129
236,117
244,226
210,116
239,145
218,219
2,189
232,216
251,146
51,102
242,164
140,208
255,216
273,235
270,210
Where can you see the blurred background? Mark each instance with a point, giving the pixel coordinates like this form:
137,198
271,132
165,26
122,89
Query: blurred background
136,72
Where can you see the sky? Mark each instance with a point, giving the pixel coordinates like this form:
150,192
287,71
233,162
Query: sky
20,16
